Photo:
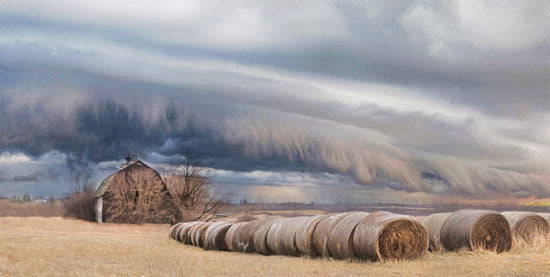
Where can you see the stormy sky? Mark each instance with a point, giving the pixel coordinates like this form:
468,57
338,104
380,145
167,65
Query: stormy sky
326,101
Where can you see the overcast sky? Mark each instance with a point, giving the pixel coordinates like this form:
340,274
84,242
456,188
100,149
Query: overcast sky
327,101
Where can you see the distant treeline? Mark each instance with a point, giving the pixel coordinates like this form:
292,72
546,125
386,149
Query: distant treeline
408,209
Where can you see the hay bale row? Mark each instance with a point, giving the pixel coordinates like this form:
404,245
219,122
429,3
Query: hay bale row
230,234
215,235
340,240
476,229
273,235
182,235
360,235
260,236
545,216
243,238
191,237
433,224
200,234
322,231
469,229
527,226
281,238
175,229
356,235
304,235
386,236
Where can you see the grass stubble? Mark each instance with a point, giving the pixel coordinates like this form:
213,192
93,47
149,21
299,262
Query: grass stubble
66,247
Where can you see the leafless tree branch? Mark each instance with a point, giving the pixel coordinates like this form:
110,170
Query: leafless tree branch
192,189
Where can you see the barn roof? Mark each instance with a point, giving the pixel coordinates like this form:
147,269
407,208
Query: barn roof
105,183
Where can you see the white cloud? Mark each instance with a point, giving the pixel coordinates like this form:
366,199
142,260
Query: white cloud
14,158
235,25
504,26
50,158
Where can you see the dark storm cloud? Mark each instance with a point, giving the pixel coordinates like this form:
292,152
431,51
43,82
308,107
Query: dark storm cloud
25,178
99,126
389,42
3,176
409,95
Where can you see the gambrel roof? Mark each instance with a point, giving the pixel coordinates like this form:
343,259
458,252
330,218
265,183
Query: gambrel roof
105,183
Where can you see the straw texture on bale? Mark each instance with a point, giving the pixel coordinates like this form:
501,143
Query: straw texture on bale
178,231
174,229
304,235
476,229
215,235
545,215
420,218
243,240
260,236
200,234
385,236
184,230
340,241
287,234
229,236
322,232
273,236
433,224
527,226
192,234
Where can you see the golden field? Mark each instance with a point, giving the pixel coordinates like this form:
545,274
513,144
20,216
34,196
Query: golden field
59,246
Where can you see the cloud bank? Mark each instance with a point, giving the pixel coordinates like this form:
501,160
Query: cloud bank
394,98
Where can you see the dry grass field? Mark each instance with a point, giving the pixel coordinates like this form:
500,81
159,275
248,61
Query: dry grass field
59,246
7,208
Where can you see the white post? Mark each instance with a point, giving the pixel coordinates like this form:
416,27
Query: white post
99,209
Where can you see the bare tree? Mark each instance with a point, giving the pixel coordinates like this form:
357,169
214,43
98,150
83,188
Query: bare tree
191,188
80,173
138,198
79,202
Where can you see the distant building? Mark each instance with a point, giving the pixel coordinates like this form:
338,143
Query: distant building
40,200
136,193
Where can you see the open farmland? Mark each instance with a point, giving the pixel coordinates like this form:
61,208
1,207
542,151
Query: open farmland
58,246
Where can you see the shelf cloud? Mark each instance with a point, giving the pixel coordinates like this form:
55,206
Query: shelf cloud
406,100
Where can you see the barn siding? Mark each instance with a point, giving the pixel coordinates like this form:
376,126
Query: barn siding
105,192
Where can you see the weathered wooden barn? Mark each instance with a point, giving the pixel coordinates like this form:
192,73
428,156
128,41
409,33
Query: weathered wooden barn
136,193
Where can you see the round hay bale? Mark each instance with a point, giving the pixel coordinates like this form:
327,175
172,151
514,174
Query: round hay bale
184,230
420,218
340,241
287,234
476,229
215,235
174,229
304,235
273,236
433,224
322,231
243,240
178,231
526,226
545,216
231,234
200,234
191,234
260,236
386,236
